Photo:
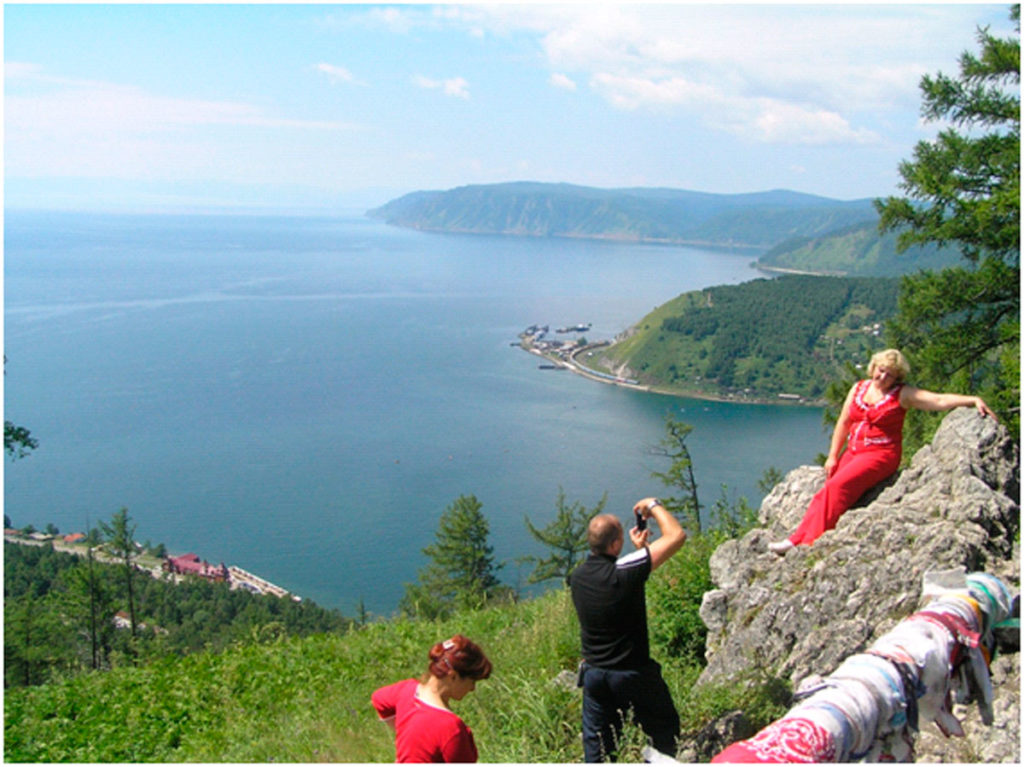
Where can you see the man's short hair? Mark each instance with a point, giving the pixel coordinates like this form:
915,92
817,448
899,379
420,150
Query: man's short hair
603,531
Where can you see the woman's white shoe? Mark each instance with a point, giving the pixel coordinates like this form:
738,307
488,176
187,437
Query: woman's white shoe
780,547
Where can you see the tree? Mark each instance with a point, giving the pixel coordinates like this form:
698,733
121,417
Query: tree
960,327
680,474
18,441
120,534
34,641
566,535
461,573
91,603
769,479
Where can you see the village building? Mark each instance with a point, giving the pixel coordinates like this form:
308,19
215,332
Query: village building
190,564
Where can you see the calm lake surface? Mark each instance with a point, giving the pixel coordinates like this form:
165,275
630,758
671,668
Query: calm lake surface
303,397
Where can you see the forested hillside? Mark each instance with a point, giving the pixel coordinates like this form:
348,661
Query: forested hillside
59,616
857,250
756,221
791,335
267,696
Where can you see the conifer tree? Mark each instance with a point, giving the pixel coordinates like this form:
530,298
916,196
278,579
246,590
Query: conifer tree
461,572
960,327
565,535
120,534
680,476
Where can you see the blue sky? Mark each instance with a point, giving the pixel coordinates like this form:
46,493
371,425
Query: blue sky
327,107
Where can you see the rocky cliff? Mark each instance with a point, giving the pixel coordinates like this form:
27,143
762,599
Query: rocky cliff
956,505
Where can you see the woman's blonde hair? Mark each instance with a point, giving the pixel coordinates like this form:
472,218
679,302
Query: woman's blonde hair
893,360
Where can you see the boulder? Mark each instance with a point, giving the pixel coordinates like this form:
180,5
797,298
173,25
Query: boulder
955,505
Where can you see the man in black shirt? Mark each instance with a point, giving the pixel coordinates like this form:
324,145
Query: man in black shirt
618,673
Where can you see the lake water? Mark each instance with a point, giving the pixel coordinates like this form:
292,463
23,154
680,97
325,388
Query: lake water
304,397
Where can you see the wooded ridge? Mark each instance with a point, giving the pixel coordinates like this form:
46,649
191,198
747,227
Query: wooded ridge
757,340
756,220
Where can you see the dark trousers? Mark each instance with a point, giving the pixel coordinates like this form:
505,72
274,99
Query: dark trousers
608,694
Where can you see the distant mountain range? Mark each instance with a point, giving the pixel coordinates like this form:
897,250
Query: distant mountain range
792,231
756,221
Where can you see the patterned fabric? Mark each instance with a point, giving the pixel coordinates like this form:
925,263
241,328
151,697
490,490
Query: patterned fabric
877,424
870,707
785,741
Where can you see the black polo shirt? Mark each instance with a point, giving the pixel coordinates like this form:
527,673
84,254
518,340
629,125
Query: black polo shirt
612,609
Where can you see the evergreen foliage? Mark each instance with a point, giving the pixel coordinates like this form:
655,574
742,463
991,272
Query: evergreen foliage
18,441
59,616
857,251
120,534
757,339
960,327
679,476
565,536
462,572
269,697
758,220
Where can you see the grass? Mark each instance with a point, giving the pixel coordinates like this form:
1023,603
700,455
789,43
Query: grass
307,700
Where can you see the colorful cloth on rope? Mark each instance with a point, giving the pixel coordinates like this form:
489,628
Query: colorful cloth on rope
884,684
870,707
830,718
852,706
785,741
993,596
970,680
930,646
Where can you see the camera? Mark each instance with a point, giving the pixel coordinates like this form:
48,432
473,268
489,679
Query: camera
641,523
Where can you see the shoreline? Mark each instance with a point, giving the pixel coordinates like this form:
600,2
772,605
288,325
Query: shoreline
238,578
568,361
626,239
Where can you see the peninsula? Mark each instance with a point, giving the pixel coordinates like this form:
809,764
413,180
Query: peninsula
703,343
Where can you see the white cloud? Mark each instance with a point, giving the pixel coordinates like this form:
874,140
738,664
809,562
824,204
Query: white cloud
822,68
780,122
562,81
635,92
455,86
337,74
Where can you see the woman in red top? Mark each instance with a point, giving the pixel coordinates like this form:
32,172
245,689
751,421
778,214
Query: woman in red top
870,426
426,730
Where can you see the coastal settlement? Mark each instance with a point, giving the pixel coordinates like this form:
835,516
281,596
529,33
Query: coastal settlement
571,355
567,354
170,568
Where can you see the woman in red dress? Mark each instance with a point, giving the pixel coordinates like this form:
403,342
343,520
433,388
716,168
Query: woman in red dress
870,426
426,729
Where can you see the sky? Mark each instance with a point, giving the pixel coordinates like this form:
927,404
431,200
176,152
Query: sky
326,107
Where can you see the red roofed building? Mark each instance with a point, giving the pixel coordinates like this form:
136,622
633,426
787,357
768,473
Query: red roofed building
190,564
74,537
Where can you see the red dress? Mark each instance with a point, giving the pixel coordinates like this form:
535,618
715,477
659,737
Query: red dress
423,732
873,451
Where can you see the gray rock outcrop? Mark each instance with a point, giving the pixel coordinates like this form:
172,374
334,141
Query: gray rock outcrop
956,505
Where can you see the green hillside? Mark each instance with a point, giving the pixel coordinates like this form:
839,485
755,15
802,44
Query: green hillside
857,251
756,221
307,699
756,340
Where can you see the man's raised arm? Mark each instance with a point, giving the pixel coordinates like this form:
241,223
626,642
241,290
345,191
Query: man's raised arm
672,534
